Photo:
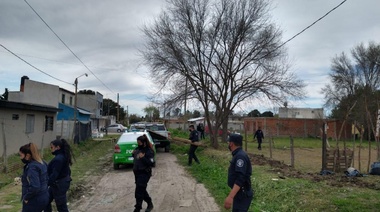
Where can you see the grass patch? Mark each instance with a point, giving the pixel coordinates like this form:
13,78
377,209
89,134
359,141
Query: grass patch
273,193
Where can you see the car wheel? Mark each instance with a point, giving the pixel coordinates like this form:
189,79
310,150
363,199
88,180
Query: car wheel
167,148
118,130
116,166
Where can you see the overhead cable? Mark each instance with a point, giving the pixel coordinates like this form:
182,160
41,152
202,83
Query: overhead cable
311,24
33,65
66,45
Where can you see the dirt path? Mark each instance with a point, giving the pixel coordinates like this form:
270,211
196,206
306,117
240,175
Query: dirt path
170,187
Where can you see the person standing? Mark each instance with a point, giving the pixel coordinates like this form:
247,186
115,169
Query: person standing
194,137
142,169
202,130
59,174
260,136
34,179
239,177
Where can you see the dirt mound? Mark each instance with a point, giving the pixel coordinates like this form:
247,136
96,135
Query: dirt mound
337,179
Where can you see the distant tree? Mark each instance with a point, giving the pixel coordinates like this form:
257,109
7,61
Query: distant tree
152,113
110,109
218,54
176,112
267,114
196,114
353,91
134,118
86,92
5,95
254,113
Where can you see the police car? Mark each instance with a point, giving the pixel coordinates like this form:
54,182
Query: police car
124,147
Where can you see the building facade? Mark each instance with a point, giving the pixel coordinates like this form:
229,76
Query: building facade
301,113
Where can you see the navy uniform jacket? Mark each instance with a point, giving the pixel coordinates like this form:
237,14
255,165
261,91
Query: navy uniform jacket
259,134
240,169
58,167
194,136
145,163
34,180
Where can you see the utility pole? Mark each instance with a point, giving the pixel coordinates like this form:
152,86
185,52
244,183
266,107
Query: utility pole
75,103
118,106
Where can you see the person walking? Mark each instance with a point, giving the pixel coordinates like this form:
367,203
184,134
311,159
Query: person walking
34,179
59,174
142,169
194,137
260,136
239,177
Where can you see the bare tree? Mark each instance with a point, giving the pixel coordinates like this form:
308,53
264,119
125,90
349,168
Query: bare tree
219,53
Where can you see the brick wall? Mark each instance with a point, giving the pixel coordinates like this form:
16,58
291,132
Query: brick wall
296,127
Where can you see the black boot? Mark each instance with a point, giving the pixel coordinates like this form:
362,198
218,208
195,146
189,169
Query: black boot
150,207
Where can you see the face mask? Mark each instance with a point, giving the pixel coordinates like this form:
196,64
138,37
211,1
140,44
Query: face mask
25,161
141,146
229,147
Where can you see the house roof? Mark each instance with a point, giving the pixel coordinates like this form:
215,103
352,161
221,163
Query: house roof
85,112
196,119
26,106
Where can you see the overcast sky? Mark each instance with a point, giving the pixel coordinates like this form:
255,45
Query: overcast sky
106,36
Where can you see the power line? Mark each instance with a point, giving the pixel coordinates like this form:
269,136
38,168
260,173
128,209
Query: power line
311,24
33,65
67,45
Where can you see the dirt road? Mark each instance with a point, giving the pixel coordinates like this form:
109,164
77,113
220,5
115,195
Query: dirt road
170,187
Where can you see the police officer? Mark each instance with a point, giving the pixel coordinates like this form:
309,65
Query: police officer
194,137
239,177
59,174
34,179
260,136
142,169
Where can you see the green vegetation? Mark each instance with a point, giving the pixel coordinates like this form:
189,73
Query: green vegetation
273,193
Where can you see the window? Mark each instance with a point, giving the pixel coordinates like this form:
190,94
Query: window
71,100
29,123
49,123
63,99
15,116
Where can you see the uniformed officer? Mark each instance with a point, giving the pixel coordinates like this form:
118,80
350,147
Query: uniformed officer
239,177
34,179
142,169
59,174
260,136
194,137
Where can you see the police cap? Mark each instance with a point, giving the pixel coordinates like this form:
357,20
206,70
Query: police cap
236,139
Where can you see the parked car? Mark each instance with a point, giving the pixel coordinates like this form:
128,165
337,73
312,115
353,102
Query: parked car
114,128
124,147
160,135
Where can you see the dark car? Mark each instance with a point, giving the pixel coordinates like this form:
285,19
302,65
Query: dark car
160,135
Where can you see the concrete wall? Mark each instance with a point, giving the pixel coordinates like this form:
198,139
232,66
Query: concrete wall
92,103
302,113
67,97
36,93
12,131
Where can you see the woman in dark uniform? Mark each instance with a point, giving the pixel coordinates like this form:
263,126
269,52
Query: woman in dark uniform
59,174
34,179
142,168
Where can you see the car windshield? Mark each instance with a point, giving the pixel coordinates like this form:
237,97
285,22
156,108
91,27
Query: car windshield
155,127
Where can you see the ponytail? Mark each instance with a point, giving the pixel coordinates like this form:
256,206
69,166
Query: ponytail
65,146
32,150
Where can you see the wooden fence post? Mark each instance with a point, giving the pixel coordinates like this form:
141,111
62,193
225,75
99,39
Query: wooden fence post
291,151
5,158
